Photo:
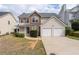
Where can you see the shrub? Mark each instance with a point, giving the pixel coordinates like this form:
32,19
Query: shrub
19,35
7,33
33,33
68,31
75,26
74,34
12,32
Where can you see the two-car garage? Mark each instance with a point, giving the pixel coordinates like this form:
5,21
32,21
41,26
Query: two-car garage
53,28
52,32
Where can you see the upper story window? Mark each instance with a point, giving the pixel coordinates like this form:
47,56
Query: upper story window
27,20
21,21
35,19
8,22
24,20
73,16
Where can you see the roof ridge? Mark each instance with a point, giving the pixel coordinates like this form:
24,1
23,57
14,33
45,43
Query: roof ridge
41,14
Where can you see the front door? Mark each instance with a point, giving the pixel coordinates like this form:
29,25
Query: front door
27,29
39,32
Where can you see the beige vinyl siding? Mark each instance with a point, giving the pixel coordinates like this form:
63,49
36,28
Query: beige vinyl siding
43,20
53,28
4,26
53,23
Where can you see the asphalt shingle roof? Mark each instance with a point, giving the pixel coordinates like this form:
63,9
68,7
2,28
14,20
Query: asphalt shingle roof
41,14
75,9
3,13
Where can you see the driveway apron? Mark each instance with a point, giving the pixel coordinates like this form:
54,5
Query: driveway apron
61,45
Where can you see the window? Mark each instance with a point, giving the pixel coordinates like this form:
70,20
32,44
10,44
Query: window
33,19
36,20
24,20
8,22
21,21
27,20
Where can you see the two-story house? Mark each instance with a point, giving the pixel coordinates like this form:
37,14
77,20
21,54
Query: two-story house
28,22
37,21
74,13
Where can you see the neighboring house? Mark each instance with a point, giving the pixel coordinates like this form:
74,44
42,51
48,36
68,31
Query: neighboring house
7,23
74,13
47,24
64,14
69,14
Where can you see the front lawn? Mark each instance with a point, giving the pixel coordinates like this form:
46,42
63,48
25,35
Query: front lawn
10,45
73,37
76,31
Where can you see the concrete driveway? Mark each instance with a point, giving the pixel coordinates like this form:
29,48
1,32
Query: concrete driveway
61,46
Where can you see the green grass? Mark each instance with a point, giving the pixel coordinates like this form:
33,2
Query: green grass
72,37
10,45
76,31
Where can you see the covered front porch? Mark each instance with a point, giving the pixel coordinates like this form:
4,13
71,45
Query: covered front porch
27,30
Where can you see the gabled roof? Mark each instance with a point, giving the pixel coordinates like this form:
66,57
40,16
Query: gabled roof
3,13
41,14
35,13
47,15
56,19
24,15
75,9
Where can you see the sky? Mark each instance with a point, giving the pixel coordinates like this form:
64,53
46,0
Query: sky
18,9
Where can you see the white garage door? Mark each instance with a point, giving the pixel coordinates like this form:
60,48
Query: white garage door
52,32
46,32
58,32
